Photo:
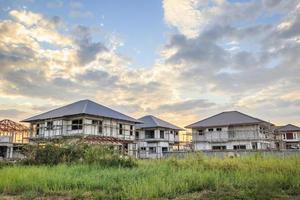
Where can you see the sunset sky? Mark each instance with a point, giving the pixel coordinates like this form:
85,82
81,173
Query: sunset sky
180,60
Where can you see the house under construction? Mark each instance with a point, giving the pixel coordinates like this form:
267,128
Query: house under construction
12,137
289,136
233,130
155,137
88,121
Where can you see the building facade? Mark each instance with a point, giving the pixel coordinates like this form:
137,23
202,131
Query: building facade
290,136
155,137
12,137
232,130
85,118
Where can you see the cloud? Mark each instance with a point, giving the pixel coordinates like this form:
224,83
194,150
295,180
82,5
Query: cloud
187,106
87,50
197,16
71,66
255,75
10,113
224,56
190,19
38,27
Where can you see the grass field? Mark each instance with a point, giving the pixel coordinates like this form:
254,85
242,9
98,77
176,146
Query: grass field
196,177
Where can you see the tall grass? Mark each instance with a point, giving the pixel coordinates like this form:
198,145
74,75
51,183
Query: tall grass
229,178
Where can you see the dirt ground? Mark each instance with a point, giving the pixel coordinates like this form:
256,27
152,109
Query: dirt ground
204,195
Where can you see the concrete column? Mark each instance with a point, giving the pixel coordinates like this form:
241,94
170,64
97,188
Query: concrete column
7,152
11,152
31,131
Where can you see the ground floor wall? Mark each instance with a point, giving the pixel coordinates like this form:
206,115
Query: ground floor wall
6,151
291,145
176,146
233,145
10,151
124,147
153,150
130,149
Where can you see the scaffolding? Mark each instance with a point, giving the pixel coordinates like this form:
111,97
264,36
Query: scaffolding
17,133
121,137
108,133
83,129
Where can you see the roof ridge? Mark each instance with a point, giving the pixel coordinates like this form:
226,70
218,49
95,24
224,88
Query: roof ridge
207,118
160,122
250,116
256,120
154,119
85,105
291,125
166,122
51,110
110,109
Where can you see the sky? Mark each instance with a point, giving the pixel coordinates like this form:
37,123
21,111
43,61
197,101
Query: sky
180,60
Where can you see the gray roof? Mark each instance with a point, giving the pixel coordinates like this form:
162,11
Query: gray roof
225,119
150,121
289,127
82,107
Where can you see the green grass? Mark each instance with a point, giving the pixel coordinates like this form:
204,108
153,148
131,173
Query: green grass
229,178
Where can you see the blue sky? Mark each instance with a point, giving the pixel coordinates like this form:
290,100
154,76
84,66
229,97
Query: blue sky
169,58
139,24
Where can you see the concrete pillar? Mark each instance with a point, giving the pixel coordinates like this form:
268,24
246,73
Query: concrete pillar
7,152
11,152
31,131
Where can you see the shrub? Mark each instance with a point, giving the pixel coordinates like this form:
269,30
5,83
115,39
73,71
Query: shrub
52,154
106,156
72,153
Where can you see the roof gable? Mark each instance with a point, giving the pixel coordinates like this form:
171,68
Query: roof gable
225,119
150,121
87,107
288,127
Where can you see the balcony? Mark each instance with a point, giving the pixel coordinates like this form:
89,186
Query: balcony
204,139
152,139
231,137
290,137
59,131
291,140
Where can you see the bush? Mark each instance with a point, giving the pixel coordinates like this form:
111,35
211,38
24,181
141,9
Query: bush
52,154
105,156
